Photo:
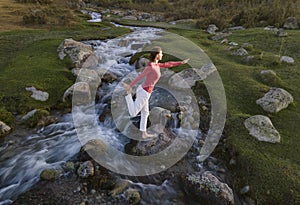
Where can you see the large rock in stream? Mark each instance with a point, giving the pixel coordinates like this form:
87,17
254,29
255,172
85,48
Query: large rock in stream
208,189
82,55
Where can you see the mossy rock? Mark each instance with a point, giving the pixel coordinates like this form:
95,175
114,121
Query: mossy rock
7,117
34,119
50,174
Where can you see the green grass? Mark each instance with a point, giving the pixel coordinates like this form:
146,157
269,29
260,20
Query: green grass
30,58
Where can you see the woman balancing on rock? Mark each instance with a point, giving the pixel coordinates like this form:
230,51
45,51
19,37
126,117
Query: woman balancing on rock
143,93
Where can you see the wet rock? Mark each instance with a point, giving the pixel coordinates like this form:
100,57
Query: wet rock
212,28
79,93
124,43
68,166
38,94
240,52
207,189
141,63
86,169
159,118
82,55
95,147
4,129
261,128
32,118
46,120
120,186
291,23
50,174
287,59
275,100
168,102
133,196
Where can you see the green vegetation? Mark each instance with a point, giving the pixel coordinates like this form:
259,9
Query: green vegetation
223,13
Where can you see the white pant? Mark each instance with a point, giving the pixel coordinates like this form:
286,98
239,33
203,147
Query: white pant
141,104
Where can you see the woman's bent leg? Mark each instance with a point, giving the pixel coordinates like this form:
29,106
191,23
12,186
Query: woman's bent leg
134,107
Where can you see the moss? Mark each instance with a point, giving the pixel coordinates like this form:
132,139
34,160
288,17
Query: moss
34,119
7,117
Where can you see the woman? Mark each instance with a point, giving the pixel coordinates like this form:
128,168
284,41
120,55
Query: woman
143,93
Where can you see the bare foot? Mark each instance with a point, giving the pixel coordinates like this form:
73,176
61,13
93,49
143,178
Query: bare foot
127,88
145,135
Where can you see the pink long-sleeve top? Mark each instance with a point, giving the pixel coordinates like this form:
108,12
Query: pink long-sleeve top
152,74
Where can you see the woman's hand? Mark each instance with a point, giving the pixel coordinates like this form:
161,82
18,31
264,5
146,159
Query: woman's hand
185,61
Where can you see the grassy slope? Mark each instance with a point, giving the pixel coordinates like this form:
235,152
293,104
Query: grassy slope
271,170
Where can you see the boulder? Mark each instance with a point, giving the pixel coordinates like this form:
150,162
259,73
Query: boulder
159,118
188,77
208,189
220,36
281,33
275,100
50,174
291,23
133,196
82,55
82,92
4,129
240,52
261,128
287,59
37,94
86,169
212,28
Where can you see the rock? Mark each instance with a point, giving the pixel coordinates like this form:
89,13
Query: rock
137,46
94,147
46,120
275,100
291,23
212,28
81,92
37,94
68,166
233,43
188,77
82,55
159,118
245,189
207,189
240,52
248,59
271,28
220,36
236,28
106,76
86,169
132,18
50,174
123,42
281,33
133,196
4,129
32,118
120,186
91,77
287,59
268,76
141,63
261,128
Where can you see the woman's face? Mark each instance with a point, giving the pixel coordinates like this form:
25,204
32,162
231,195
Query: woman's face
159,56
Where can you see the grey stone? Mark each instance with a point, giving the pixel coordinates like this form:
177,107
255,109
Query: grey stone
291,23
207,189
287,59
38,94
261,128
275,100
4,129
86,169
240,52
212,28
